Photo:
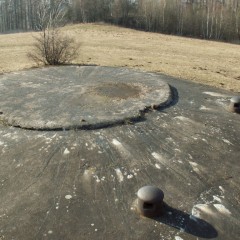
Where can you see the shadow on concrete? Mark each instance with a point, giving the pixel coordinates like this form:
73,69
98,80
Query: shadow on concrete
187,223
174,100
96,126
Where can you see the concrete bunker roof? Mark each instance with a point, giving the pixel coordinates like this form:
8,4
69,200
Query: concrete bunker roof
83,184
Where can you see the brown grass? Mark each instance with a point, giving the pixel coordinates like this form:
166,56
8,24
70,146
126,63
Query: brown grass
207,62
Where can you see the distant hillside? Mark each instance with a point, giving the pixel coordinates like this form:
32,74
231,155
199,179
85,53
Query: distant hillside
207,62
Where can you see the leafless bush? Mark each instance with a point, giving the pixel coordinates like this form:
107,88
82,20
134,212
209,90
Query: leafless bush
52,47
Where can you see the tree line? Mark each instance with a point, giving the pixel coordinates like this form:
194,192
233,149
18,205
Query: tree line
207,19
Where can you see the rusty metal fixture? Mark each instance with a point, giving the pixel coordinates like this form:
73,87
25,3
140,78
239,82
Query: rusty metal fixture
235,104
150,201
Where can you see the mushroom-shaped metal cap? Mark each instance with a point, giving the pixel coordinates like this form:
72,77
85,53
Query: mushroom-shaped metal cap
235,99
150,194
150,201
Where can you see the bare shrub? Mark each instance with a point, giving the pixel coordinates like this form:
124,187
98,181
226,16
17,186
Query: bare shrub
52,47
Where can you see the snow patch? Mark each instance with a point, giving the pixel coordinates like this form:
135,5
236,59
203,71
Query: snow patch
66,151
116,142
119,174
194,166
216,198
178,238
222,209
226,141
182,118
68,197
201,208
129,176
157,157
205,108
157,166
222,189
214,94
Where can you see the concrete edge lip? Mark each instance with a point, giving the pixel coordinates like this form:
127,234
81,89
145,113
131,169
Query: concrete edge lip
73,97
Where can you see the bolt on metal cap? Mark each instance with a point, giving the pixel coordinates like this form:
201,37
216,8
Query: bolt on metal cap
235,104
150,201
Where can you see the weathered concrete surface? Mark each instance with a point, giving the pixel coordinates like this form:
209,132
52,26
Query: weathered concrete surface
83,184
73,97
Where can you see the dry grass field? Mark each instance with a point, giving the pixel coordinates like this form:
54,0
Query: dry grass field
207,62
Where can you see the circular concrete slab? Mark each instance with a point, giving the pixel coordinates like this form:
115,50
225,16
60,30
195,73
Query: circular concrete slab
70,97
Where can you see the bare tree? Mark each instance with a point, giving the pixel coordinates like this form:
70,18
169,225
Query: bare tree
52,47
50,14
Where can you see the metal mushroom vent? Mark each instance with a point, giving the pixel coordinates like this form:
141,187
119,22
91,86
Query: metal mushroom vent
235,104
150,201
